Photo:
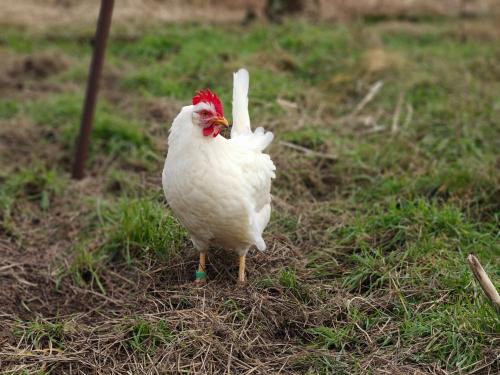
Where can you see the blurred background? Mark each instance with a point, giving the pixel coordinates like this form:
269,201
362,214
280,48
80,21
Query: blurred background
47,13
387,122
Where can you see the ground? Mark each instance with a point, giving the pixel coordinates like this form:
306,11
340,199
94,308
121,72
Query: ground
393,183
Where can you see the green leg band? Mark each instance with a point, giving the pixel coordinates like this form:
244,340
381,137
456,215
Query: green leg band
200,275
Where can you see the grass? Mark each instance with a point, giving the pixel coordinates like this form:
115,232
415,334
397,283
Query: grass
147,336
85,268
41,334
132,230
113,134
35,183
8,108
366,266
141,227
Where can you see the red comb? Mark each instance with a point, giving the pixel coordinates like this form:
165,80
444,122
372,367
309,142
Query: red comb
207,96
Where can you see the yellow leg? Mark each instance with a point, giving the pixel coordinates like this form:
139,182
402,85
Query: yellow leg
241,272
201,277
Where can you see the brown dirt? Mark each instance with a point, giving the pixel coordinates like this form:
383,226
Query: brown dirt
38,66
26,75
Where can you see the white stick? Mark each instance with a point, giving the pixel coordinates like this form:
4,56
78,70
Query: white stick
484,281
368,98
397,112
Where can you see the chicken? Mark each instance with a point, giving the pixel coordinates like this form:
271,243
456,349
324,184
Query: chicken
219,188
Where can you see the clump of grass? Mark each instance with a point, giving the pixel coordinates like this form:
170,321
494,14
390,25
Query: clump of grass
232,307
116,135
131,229
451,334
122,182
137,228
332,338
287,279
36,184
8,108
146,336
41,334
321,364
17,40
343,335
58,111
85,268
282,222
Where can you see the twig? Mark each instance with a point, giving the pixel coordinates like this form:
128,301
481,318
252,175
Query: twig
365,333
368,98
103,296
484,281
8,266
121,277
308,151
397,113
229,360
409,115
287,104
18,278
374,129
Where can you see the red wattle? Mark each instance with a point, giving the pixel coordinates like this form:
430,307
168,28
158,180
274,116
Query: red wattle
208,130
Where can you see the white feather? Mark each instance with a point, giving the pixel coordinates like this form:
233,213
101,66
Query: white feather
241,132
241,118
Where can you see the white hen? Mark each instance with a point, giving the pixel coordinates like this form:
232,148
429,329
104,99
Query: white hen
219,188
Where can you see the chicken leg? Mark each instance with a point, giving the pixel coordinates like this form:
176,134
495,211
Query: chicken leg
201,277
241,271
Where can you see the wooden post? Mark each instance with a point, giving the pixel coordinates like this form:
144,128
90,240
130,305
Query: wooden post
101,37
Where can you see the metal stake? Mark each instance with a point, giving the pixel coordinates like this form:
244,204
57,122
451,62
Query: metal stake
101,37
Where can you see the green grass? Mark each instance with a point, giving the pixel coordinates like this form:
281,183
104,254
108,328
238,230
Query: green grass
236,312
418,249
141,227
367,252
35,183
146,337
42,334
322,365
112,134
416,233
85,268
8,108
131,230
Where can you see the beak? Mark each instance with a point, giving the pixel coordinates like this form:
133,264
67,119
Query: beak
221,121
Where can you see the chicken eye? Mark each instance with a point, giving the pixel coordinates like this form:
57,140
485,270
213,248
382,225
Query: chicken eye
204,113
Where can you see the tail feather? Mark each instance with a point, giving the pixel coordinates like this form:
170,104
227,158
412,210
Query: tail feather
241,118
241,132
